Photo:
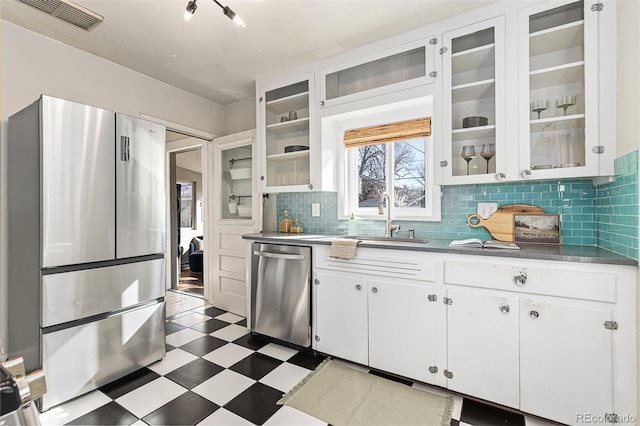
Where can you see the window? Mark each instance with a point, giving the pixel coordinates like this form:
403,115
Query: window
390,158
405,174
186,193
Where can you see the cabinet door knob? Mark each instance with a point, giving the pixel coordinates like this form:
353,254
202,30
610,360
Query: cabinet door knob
505,309
520,279
310,186
500,176
358,287
374,289
526,173
321,103
534,314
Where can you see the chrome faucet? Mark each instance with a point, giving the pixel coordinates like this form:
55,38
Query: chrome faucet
390,227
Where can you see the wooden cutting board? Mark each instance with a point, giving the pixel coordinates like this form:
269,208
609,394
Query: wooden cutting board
500,224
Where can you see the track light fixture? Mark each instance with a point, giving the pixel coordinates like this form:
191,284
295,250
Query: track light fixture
192,6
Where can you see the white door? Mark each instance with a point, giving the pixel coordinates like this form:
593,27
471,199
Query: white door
574,376
235,211
482,346
341,316
401,329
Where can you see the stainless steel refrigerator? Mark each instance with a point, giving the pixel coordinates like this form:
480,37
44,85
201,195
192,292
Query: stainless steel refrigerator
86,235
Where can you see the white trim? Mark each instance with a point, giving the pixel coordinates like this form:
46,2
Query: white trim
176,127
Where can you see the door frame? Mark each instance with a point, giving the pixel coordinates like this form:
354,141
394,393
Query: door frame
196,139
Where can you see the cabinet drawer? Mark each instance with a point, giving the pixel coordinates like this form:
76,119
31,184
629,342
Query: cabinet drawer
379,262
69,296
80,359
575,284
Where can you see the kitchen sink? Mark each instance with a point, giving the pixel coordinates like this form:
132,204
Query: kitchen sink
388,240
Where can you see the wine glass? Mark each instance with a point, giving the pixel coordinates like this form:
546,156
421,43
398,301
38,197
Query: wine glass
468,152
539,106
488,151
565,102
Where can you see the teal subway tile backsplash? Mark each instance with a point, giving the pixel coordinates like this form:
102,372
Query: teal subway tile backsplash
616,215
606,216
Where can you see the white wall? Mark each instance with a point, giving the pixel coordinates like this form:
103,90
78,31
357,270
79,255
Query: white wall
33,64
240,116
628,74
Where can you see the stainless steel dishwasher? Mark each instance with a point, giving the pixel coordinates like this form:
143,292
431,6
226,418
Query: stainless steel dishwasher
280,292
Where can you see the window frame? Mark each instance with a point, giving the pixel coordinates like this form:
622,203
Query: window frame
431,211
192,210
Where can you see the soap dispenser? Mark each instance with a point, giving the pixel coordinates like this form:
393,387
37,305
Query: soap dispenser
353,226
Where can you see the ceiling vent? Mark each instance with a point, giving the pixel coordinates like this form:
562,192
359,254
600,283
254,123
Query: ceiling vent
67,11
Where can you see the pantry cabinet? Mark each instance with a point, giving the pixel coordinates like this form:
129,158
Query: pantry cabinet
473,97
286,125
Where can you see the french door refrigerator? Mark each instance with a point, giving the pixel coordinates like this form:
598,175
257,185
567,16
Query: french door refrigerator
86,193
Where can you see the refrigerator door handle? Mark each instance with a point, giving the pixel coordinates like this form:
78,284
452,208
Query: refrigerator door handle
124,148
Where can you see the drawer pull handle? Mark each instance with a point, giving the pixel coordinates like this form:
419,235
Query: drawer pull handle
505,309
375,290
534,314
521,279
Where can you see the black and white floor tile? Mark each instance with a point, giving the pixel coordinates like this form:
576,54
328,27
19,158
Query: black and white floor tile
216,373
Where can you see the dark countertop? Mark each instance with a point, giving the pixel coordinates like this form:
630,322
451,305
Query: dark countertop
566,253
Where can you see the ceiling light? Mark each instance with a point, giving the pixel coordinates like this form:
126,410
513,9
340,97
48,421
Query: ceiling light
191,9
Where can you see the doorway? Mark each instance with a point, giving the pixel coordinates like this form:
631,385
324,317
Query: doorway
188,214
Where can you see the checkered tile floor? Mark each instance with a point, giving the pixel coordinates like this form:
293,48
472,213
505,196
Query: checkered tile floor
216,373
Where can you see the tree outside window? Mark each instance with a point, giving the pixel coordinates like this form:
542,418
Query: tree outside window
406,174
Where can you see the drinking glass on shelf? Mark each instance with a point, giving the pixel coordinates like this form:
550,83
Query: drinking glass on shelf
468,153
539,106
565,102
488,151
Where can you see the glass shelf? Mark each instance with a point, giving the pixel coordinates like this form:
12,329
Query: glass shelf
291,126
290,103
474,133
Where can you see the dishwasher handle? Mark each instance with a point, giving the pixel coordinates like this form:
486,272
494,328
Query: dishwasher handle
279,255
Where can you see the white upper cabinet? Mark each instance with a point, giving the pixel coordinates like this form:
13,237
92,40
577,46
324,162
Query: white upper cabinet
473,98
286,124
398,68
558,100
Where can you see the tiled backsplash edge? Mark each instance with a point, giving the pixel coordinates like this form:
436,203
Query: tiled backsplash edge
604,216
617,208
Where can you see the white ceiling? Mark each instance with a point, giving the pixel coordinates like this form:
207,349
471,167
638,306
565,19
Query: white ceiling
190,160
214,58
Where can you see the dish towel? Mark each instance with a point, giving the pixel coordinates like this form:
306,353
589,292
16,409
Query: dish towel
343,248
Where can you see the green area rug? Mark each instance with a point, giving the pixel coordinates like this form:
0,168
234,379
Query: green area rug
340,395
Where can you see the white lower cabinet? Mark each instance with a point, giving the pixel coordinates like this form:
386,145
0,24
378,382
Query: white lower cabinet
553,339
384,324
341,312
568,350
482,346
401,329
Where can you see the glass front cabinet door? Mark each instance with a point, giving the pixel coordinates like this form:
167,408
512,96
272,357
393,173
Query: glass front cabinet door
286,134
473,141
558,54
234,162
